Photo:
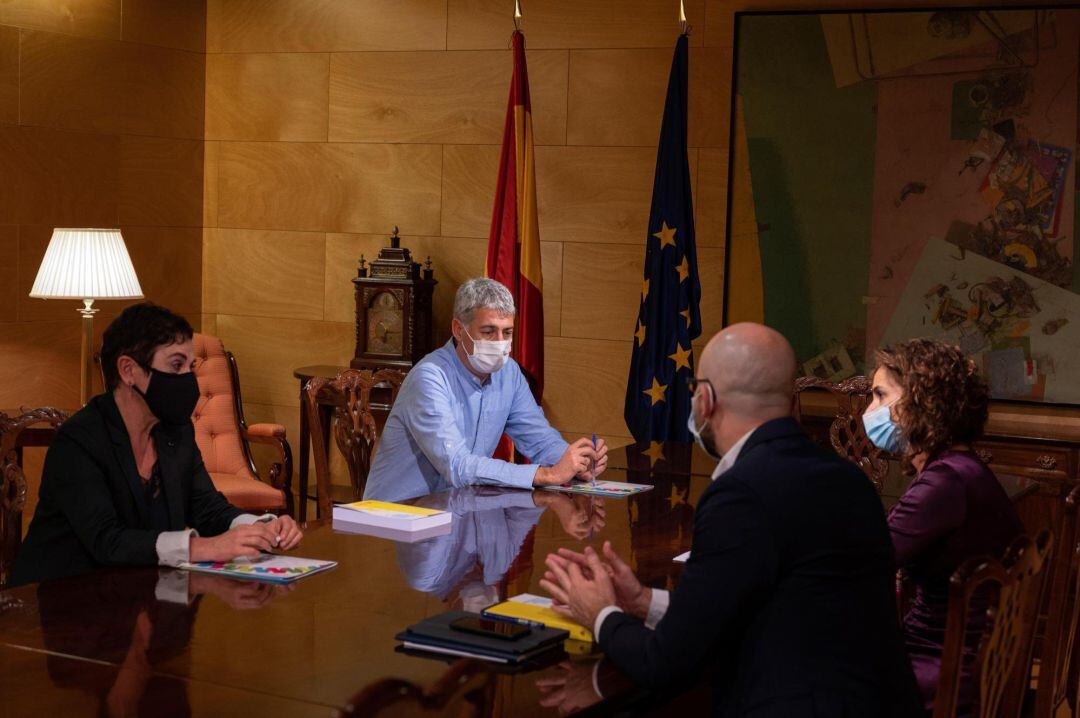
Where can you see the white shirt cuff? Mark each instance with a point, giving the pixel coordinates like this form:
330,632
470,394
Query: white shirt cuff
596,679
658,606
248,519
172,587
604,613
174,547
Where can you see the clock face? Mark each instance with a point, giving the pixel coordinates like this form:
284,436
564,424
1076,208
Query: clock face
384,325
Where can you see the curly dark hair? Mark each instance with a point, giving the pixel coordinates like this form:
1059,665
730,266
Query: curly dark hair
138,332
945,400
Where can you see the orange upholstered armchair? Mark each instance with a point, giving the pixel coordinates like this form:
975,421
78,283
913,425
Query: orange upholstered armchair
224,437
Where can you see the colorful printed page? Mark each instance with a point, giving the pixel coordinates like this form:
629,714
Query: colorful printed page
614,489
266,567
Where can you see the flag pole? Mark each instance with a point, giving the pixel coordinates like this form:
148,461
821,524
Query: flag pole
517,15
682,18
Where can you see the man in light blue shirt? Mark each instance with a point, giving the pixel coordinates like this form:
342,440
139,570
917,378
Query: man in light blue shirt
458,401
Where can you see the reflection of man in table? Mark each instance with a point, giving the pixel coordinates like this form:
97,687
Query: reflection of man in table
456,404
467,566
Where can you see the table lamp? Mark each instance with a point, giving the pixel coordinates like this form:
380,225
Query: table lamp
86,264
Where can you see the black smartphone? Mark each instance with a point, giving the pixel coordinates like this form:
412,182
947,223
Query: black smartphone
504,630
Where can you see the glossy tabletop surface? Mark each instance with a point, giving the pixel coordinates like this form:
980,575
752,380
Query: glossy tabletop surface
133,636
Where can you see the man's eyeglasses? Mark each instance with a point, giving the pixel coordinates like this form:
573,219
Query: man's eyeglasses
693,382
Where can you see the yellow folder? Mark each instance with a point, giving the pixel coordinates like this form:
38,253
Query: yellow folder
530,613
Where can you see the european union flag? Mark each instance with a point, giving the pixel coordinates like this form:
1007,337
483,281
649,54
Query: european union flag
657,395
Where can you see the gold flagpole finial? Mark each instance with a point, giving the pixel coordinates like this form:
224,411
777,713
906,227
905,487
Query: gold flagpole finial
517,14
682,17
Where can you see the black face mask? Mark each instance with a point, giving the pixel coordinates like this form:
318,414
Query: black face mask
171,397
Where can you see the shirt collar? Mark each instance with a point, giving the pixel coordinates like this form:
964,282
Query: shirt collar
732,455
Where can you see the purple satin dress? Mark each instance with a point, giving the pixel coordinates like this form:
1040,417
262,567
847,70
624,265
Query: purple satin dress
955,509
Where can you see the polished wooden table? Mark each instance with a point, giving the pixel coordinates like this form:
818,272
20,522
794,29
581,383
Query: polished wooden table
78,646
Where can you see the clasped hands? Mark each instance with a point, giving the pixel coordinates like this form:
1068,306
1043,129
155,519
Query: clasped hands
247,541
583,584
580,460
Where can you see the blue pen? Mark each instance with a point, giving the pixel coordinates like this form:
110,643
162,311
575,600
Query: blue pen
594,460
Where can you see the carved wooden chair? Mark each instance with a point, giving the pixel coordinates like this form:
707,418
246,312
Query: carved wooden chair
1058,670
466,690
13,481
846,433
1003,657
352,423
224,437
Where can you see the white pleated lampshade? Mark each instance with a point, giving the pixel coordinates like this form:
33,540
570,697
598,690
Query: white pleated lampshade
86,264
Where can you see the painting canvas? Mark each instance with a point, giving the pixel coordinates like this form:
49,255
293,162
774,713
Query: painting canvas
910,174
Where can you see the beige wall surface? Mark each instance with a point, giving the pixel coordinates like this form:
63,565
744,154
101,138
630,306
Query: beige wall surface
330,121
101,125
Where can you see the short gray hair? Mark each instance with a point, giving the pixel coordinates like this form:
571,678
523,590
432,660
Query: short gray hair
482,293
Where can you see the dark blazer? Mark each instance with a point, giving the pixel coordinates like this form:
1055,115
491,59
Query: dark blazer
89,513
788,597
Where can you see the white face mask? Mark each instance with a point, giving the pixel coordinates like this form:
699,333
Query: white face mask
488,356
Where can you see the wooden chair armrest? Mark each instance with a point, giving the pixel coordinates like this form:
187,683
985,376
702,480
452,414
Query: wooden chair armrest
266,430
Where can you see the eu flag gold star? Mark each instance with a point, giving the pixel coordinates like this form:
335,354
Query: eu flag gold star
666,235
681,357
683,270
655,453
656,392
686,316
640,334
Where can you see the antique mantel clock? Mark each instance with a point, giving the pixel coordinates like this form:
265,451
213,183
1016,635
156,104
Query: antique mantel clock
393,309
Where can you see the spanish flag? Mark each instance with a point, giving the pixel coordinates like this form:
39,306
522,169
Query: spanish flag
514,243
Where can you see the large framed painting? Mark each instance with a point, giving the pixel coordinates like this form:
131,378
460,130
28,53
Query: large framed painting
898,174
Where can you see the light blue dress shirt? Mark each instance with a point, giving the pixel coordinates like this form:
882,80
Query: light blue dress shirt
445,425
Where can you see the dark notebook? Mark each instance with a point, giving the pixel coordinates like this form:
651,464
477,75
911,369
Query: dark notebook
435,634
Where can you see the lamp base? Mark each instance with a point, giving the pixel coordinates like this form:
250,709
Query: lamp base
87,379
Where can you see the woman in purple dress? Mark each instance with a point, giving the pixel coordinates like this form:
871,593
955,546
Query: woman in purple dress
929,406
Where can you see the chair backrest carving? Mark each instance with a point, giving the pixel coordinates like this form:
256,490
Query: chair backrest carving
353,425
13,480
1062,617
465,690
1002,661
846,433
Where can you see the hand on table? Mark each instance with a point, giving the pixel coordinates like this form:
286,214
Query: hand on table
575,461
630,595
600,462
287,533
580,593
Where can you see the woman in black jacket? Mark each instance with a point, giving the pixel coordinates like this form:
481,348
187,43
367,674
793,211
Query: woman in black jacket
124,482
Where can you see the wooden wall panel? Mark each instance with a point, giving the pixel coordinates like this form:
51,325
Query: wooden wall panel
325,25
470,173
271,348
160,181
85,18
412,138
617,96
9,272
596,194
170,23
168,262
41,364
329,187
104,86
585,385
710,202
264,273
279,96
64,178
109,134
9,74
456,97
571,23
